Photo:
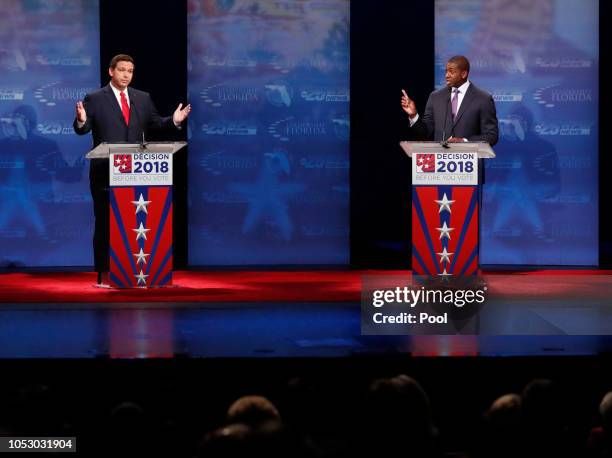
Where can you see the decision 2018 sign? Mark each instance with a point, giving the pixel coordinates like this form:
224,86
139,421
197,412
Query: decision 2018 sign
445,169
140,169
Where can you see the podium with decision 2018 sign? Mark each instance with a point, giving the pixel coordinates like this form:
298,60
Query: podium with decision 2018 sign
140,206
445,206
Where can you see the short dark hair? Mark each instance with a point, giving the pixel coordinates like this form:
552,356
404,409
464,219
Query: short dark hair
460,61
120,58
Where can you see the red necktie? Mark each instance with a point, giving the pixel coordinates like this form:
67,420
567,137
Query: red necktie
125,108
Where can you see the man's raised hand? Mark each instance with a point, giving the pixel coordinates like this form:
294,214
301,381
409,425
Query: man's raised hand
80,112
408,105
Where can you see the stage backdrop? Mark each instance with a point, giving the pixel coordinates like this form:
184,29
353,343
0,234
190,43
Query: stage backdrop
539,59
269,132
49,59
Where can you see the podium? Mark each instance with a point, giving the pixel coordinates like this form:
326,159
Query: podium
140,209
445,207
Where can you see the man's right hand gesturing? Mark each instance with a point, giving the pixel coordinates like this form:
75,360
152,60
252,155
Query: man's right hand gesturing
80,112
408,105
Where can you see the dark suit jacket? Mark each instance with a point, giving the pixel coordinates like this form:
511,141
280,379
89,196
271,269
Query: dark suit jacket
106,123
476,120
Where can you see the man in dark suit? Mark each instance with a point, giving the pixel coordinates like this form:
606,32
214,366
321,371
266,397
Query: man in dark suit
116,114
457,113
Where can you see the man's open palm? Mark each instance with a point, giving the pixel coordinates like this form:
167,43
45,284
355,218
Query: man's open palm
180,114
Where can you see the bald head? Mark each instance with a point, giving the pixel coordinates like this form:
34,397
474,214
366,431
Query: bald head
605,409
252,410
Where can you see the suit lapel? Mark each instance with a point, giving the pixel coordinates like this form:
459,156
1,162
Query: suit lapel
449,114
134,103
465,103
110,97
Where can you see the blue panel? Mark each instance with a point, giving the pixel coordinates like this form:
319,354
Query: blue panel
49,59
269,132
540,60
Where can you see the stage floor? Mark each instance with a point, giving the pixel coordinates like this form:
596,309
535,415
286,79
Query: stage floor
282,314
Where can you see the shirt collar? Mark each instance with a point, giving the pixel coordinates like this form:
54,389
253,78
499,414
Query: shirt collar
464,87
117,91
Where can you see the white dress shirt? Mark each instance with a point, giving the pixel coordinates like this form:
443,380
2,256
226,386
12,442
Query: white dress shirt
117,93
462,90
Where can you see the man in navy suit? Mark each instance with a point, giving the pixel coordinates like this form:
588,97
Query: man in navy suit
116,114
456,113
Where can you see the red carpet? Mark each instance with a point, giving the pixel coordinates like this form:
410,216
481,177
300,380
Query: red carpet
322,286
249,286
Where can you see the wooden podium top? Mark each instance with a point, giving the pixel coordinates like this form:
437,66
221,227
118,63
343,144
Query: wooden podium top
102,150
483,149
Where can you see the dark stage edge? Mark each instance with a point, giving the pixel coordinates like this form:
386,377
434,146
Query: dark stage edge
282,330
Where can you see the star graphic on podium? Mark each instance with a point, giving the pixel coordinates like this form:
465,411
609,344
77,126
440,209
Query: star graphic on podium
141,204
445,231
142,257
141,232
444,256
142,278
444,204
445,274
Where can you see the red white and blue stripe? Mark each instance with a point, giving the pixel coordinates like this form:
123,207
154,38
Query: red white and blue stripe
445,230
140,236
